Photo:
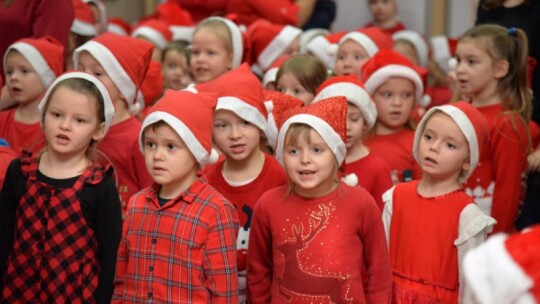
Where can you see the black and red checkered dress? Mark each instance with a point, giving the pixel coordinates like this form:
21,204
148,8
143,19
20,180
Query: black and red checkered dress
53,259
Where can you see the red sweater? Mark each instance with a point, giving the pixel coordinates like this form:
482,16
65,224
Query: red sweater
391,30
373,175
20,136
311,250
277,11
497,182
200,9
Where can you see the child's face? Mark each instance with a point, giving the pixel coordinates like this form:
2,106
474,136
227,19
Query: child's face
175,70
382,10
288,84
210,57
476,70
168,160
236,138
350,58
443,151
22,81
355,126
70,122
88,64
310,166
407,50
394,101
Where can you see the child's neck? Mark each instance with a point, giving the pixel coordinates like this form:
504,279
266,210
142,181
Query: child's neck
172,191
487,97
121,112
432,187
387,23
381,129
356,152
27,113
246,169
60,167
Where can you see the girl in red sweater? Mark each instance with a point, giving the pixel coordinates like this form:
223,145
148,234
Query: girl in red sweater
492,70
317,240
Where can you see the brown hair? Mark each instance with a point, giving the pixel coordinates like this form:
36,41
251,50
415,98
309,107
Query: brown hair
179,46
309,71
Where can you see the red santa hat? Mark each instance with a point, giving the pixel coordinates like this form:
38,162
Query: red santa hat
308,35
45,55
419,43
190,115
269,41
388,64
319,48
239,43
350,87
372,39
125,60
271,74
154,30
108,108
179,20
152,85
277,104
443,51
472,124
102,12
119,26
328,117
84,22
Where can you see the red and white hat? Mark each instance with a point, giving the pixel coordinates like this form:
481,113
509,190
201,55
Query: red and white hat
328,117
119,26
372,39
443,50
505,269
269,41
108,108
271,74
470,121
238,41
277,104
241,92
388,64
320,45
152,85
191,117
102,12
308,35
46,55
350,87
419,43
154,30
179,20
84,22
125,60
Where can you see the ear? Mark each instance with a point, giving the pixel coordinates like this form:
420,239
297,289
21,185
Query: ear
501,69
466,165
99,133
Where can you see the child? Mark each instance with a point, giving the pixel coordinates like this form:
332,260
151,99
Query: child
395,85
431,223
317,239
30,65
156,32
217,47
269,78
82,30
372,171
413,46
175,66
300,76
60,213
492,65
120,62
178,239
246,172
277,104
384,14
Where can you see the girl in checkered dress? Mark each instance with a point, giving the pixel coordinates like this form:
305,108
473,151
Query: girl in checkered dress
60,219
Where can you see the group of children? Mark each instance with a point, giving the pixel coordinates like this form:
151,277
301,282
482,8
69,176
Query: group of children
334,182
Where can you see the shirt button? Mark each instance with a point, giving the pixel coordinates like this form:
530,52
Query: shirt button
37,278
154,241
151,268
159,212
149,294
39,246
43,221
48,195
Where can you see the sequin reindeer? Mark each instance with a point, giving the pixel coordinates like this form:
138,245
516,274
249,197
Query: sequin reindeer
294,278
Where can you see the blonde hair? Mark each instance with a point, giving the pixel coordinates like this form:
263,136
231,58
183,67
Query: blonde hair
220,29
308,70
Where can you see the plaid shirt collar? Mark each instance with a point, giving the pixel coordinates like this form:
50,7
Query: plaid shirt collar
185,197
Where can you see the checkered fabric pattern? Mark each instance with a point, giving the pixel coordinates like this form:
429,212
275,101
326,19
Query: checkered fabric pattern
54,251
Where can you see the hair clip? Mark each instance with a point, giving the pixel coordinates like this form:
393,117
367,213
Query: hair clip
512,31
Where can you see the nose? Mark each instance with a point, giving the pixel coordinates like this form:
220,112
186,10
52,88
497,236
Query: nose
305,158
396,100
434,146
65,124
235,132
158,153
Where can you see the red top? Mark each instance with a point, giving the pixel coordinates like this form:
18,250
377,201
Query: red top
391,30
21,136
277,11
497,182
373,175
315,250
201,9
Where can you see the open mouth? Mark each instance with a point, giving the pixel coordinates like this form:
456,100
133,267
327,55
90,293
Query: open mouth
430,160
306,172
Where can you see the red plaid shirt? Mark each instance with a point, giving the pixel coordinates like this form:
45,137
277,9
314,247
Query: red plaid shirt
181,252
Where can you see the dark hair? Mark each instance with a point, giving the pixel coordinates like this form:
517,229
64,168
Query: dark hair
309,71
179,46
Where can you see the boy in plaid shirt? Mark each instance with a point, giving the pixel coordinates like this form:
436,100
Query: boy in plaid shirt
179,236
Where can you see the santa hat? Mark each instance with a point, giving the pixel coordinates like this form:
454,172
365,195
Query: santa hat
443,50
125,60
238,41
350,87
45,55
372,39
505,269
419,43
308,35
84,22
319,48
277,104
241,92
102,12
190,115
269,41
472,124
179,20
152,85
328,117
119,26
271,73
388,64
154,30
108,108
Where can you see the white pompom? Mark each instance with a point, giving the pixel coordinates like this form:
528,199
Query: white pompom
269,105
424,101
351,180
213,157
136,108
452,64
332,49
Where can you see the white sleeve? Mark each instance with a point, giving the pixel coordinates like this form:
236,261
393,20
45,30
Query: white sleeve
387,212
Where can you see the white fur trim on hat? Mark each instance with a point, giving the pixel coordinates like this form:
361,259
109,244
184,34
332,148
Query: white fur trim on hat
419,44
309,35
236,37
182,33
191,141
34,57
270,76
332,139
151,34
318,47
441,51
271,126
362,39
83,28
244,110
380,76
117,29
277,46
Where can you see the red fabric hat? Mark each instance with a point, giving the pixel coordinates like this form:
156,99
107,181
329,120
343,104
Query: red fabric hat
152,85
239,41
154,30
350,87
388,64
470,121
241,92
269,41
308,35
442,50
102,12
46,55
271,73
372,39
119,26
125,59
419,43
320,45
277,104
191,117
179,20
328,117
84,21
